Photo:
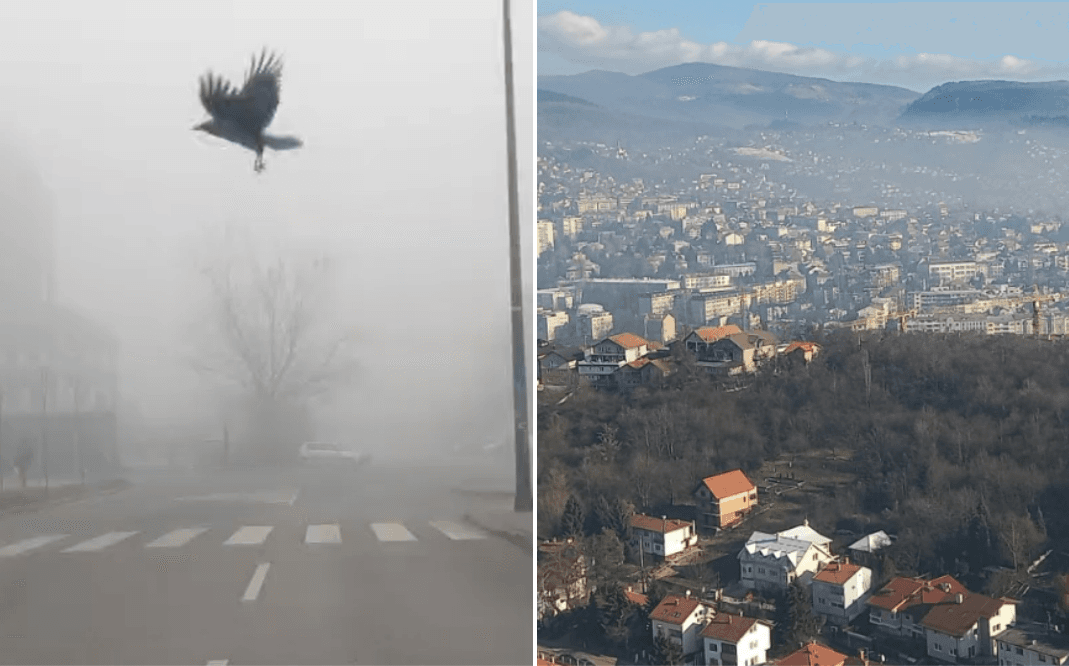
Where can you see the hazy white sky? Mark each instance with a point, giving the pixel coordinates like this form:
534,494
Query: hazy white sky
400,106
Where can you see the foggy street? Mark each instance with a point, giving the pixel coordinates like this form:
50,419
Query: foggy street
370,565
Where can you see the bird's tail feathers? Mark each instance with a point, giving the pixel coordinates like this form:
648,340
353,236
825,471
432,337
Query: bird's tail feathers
282,142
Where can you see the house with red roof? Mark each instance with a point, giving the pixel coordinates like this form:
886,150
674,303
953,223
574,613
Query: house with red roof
725,499
602,363
699,340
815,654
660,538
955,623
736,640
841,591
681,619
802,351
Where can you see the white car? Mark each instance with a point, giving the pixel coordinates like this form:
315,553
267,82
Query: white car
331,453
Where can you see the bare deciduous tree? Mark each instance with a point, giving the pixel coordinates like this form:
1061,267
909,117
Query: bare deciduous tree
268,329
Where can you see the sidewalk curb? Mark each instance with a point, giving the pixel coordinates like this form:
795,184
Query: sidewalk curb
111,487
519,539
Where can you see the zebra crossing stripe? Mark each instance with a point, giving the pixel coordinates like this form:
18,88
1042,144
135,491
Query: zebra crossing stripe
253,535
392,532
322,534
457,532
100,543
26,545
177,538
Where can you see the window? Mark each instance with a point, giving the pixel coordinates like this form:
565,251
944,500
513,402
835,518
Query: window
713,647
938,648
1042,659
814,557
1018,650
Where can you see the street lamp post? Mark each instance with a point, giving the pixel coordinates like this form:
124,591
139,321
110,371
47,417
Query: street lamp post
524,500
78,427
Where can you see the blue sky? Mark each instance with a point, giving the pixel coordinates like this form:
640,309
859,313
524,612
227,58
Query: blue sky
910,44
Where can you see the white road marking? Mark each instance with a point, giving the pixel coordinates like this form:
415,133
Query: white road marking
392,532
27,545
249,536
257,582
177,538
100,542
457,532
219,662
322,534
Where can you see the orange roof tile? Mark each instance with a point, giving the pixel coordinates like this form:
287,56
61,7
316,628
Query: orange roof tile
675,609
628,340
728,627
659,525
638,363
837,573
714,333
636,598
804,346
813,654
903,593
728,484
543,662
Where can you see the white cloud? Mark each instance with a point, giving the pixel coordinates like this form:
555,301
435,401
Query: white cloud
584,40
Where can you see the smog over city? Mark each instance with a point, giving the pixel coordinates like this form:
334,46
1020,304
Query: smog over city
254,268
802,315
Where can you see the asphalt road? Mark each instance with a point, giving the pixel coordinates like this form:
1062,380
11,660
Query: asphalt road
313,566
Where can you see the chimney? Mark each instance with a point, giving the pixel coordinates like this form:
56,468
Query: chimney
687,592
959,598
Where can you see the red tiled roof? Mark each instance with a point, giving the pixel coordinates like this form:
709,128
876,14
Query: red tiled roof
628,340
644,522
804,346
638,363
813,655
901,593
728,484
728,627
954,619
714,333
543,662
636,598
837,573
675,609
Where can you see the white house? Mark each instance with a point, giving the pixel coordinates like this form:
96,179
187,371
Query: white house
681,619
1032,645
773,561
841,591
660,537
965,626
736,640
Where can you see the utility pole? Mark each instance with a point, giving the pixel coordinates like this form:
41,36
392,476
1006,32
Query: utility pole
78,427
44,424
524,497
2,470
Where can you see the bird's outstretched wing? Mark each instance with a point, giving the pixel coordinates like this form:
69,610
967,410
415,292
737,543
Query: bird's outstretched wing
253,107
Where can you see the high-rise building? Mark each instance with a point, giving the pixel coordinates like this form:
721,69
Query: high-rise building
59,387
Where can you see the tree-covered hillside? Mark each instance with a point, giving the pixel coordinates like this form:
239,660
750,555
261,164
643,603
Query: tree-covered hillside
959,443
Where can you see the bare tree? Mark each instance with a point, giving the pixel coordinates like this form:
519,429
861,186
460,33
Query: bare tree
267,329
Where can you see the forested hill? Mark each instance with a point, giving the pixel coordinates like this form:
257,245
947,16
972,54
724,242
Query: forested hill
959,444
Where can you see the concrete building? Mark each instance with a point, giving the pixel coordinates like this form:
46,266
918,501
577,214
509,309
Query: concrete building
660,538
736,640
59,383
840,591
546,233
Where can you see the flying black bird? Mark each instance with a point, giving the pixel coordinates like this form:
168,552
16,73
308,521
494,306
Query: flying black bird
240,116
